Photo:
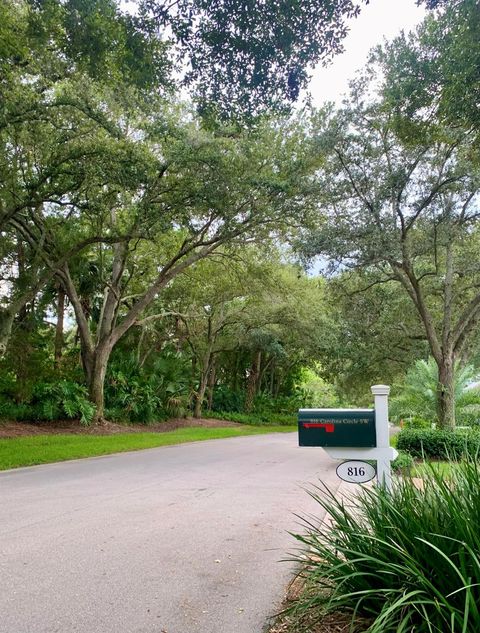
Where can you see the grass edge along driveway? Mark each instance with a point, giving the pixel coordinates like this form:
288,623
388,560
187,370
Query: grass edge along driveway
45,449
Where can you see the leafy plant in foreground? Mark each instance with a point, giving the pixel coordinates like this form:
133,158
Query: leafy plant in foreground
406,561
403,463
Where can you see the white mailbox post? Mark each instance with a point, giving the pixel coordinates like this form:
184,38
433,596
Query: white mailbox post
384,471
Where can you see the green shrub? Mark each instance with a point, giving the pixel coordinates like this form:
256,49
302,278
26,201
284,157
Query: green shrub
403,463
416,423
438,444
264,403
469,415
7,385
401,562
51,401
10,410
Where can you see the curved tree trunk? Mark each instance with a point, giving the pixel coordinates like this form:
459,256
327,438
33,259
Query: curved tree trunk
199,397
211,385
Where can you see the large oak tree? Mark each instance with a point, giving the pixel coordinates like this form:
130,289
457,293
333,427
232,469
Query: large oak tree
406,212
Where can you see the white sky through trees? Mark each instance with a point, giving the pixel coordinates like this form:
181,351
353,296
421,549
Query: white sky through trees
379,20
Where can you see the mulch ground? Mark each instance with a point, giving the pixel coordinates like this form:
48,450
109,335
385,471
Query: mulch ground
335,623
73,427
311,622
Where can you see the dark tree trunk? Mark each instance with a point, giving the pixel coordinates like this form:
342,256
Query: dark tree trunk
446,394
211,385
272,378
193,376
261,379
96,368
199,396
203,383
58,349
253,381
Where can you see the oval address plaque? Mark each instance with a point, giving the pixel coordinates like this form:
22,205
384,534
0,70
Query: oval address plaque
356,472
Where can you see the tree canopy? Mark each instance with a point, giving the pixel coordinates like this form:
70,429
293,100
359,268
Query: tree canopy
432,75
154,183
404,210
234,62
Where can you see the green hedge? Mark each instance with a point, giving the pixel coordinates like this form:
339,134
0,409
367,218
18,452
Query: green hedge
439,444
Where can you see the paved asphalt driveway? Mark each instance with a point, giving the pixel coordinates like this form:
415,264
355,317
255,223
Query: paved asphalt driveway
181,539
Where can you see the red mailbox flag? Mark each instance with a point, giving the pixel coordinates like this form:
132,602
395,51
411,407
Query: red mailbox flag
329,428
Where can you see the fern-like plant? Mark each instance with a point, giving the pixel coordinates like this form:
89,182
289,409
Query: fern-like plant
138,394
63,399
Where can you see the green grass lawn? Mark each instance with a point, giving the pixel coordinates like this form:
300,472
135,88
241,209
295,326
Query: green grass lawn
444,469
43,449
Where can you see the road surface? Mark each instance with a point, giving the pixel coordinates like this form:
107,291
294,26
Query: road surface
180,539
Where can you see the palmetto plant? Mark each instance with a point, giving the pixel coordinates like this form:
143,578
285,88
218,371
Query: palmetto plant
405,561
63,398
139,395
417,397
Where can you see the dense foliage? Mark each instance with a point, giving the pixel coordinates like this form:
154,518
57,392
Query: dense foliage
146,243
111,189
405,561
235,64
415,401
399,189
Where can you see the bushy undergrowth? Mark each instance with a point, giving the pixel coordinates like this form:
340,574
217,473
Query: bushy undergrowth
439,444
265,407
137,394
227,399
416,423
63,398
258,419
406,561
51,401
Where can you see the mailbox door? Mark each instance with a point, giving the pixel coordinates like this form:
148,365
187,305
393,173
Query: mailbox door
337,428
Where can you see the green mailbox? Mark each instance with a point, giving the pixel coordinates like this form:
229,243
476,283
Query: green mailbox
337,427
